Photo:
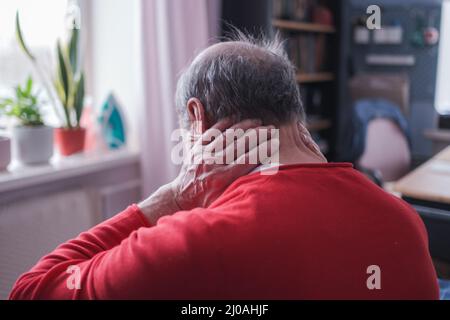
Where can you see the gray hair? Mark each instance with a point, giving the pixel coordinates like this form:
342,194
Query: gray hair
250,78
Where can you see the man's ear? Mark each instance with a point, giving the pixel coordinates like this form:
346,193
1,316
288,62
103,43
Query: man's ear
197,118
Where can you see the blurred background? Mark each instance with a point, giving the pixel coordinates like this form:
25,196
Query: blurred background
87,103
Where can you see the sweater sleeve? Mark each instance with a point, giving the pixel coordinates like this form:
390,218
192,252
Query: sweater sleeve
123,257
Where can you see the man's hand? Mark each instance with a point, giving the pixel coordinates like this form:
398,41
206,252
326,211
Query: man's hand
305,138
201,182
210,167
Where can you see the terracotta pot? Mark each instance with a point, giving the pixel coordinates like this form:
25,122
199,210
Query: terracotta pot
70,141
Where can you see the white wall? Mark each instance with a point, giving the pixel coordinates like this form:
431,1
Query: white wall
115,58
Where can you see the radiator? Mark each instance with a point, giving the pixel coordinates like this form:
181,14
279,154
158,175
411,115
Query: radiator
33,227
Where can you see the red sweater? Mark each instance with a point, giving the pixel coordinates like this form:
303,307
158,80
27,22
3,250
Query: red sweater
310,231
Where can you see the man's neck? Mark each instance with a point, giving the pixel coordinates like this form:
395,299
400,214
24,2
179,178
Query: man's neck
293,149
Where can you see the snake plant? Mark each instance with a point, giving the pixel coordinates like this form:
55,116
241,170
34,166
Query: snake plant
68,82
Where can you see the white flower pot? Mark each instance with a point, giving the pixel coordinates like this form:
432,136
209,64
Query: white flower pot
5,152
33,145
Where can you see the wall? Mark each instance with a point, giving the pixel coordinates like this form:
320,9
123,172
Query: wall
42,207
115,56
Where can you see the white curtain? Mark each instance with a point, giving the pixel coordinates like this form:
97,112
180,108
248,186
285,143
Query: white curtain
173,32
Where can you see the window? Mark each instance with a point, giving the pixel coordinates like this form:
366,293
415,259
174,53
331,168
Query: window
108,48
43,22
443,78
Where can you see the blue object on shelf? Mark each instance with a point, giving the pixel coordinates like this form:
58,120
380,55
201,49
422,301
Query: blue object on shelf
444,286
111,122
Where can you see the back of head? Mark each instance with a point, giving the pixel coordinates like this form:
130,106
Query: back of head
243,78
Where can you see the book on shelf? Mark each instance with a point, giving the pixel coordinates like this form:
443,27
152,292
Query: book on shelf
307,52
298,10
313,100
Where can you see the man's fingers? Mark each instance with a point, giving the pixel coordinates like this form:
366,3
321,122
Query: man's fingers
228,135
307,140
261,154
215,131
222,125
251,139
247,124
235,143
246,163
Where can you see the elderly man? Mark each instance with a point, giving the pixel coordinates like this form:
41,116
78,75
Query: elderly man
226,231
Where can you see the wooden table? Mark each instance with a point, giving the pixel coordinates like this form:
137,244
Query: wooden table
440,138
427,189
429,182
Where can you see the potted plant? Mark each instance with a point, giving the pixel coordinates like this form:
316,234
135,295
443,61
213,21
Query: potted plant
68,86
32,140
5,152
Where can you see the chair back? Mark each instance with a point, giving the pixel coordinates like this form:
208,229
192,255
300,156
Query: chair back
386,150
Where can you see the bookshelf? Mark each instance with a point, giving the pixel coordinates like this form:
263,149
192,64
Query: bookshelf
318,124
309,28
315,77
303,26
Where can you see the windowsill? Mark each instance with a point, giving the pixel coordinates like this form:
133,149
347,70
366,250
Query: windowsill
18,177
